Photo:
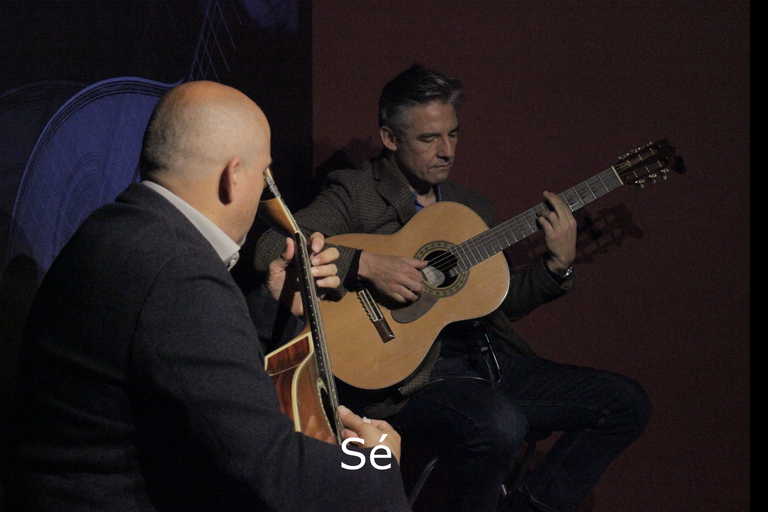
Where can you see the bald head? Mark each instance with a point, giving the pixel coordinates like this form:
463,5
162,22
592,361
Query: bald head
198,127
209,144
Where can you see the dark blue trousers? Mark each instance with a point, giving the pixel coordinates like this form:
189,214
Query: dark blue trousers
479,425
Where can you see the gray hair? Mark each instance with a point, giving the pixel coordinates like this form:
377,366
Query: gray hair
415,86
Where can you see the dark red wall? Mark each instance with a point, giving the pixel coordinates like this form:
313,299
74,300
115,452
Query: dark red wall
556,91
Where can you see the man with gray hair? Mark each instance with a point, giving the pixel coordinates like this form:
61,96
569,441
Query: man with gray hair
480,388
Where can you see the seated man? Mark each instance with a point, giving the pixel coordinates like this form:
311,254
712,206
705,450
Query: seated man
141,384
454,399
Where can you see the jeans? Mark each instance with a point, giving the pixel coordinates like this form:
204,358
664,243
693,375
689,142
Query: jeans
479,425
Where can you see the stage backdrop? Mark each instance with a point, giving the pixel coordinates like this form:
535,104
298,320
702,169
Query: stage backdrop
556,91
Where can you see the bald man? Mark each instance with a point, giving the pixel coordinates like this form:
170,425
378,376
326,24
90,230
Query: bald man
141,382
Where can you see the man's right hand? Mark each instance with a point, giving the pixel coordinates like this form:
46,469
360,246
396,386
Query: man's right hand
396,277
371,431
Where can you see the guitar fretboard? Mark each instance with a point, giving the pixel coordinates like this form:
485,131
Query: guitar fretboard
328,390
495,240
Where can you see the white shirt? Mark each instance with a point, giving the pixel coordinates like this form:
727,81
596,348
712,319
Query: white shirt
227,249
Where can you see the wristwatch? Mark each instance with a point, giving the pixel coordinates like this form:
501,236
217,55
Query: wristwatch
559,278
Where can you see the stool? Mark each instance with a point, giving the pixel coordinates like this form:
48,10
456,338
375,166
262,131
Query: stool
516,477
416,489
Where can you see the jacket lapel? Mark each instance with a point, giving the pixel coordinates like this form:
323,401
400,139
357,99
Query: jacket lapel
390,187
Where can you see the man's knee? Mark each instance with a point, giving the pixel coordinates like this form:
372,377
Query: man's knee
635,406
502,432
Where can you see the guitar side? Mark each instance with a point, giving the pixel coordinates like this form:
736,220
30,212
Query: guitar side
293,369
359,355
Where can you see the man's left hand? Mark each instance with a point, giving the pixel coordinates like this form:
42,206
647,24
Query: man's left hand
282,278
559,228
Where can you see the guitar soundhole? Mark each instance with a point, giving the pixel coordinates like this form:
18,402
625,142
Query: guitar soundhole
443,261
440,257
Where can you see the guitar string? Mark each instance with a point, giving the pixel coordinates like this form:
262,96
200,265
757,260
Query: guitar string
576,197
322,358
475,249
526,224
464,255
311,307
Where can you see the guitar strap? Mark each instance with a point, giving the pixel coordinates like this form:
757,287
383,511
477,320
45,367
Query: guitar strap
488,354
470,340
420,377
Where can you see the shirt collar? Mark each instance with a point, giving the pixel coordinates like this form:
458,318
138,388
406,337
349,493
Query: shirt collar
438,197
227,249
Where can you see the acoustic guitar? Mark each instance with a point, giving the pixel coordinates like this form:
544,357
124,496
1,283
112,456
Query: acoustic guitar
301,369
374,344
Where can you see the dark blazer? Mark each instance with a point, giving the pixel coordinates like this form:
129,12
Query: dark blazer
142,387
376,199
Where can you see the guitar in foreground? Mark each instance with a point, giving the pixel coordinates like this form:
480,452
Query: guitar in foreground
373,347
301,368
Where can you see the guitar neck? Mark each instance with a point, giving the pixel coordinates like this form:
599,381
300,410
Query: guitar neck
312,312
278,213
495,240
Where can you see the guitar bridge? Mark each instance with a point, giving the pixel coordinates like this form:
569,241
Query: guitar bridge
375,315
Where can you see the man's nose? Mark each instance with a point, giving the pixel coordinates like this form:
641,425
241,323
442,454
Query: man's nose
446,148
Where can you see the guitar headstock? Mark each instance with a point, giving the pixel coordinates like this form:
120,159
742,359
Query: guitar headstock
648,163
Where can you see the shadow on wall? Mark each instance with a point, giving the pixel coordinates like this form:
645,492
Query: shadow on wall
350,156
598,233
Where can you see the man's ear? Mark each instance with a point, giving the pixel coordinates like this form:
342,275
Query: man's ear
388,138
228,181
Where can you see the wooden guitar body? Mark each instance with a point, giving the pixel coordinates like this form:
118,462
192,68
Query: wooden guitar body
373,344
293,369
360,355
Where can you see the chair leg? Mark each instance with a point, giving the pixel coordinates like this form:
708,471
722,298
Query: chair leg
531,439
416,489
517,479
